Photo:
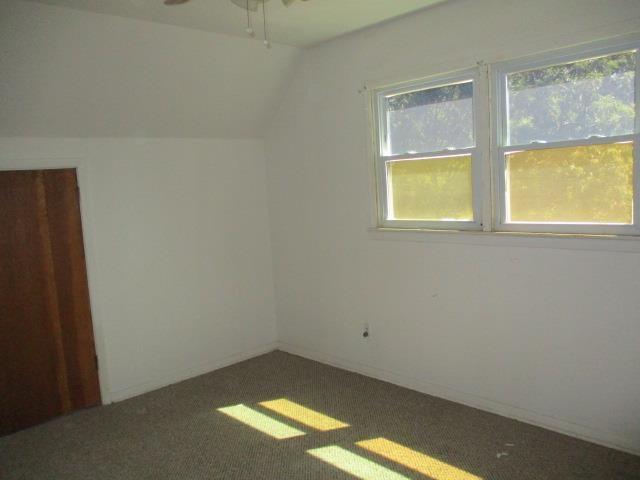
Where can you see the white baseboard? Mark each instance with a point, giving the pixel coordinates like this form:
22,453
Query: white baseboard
185,374
582,432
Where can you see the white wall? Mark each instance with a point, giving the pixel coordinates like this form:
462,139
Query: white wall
545,330
69,73
176,230
177,245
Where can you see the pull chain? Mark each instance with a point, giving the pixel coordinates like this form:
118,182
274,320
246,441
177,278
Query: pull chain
249,29
264,22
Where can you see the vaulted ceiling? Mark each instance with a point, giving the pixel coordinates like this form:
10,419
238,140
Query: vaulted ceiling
301,24
70,73
125,68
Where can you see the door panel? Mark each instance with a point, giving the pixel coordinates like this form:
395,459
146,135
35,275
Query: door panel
65,232
47,353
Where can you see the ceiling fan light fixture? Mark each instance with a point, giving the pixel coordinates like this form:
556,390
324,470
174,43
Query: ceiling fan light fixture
252,6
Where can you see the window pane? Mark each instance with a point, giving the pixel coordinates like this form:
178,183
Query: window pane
431,189
572,101
588,184
429,120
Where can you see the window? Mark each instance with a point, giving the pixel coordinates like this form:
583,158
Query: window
567,139
564,143
426,159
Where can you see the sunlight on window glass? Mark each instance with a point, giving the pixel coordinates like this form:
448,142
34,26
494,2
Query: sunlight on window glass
431,189
573,100
303,415
430,119
261,422
354,464
417,461
587,184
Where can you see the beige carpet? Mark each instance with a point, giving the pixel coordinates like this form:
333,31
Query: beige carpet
178,433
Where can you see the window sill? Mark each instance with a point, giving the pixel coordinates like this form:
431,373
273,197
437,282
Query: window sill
612,243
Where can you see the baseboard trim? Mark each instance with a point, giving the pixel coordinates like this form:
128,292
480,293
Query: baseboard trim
582,432
185,374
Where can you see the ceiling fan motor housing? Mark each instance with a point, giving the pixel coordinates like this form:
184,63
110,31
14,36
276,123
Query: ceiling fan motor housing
252,5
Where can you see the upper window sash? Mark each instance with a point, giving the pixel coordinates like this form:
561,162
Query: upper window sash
382,133
499,72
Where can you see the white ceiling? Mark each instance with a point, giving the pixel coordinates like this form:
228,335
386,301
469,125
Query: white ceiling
302,24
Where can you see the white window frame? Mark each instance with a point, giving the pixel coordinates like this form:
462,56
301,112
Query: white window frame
498,74
378,117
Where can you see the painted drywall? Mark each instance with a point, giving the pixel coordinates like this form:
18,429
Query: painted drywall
69,73
545,330
177,246
177,230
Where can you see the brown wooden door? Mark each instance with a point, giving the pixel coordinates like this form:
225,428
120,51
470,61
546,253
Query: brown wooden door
47,355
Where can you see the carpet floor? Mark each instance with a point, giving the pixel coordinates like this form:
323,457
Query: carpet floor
178,433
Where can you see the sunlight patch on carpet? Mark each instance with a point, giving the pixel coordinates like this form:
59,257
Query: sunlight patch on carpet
354,464
414,460
261,422
304,415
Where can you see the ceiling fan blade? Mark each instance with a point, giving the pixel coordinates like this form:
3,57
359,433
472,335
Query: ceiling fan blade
175,2
289,2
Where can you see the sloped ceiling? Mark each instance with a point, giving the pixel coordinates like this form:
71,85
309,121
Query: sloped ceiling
302,24
68,73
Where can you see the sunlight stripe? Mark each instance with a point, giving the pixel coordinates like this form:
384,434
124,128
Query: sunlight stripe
261,422
303,415
417,461
354,464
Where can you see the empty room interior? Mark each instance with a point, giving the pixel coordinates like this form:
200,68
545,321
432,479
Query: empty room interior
320,239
